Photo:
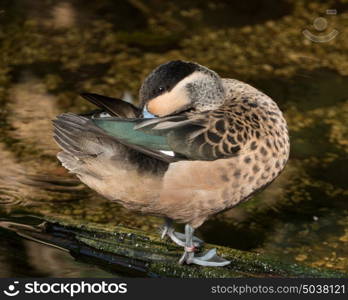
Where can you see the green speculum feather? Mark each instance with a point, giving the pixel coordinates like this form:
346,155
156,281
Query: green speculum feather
124,131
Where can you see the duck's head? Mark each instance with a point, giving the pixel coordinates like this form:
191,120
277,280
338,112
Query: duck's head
179,86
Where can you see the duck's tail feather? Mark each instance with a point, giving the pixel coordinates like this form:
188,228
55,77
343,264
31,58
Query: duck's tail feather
115,107
78,136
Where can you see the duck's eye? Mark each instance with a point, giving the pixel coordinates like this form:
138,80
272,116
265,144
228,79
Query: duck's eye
161,89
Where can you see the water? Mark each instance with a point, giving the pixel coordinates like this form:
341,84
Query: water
53,52
22,258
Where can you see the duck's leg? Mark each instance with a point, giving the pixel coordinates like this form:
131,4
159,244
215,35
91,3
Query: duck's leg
177,237
207,259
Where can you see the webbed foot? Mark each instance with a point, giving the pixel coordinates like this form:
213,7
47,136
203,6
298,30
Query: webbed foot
208,259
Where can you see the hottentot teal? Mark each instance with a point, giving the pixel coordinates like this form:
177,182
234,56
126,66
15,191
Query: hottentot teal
197,145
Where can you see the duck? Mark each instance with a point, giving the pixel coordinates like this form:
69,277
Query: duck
197,145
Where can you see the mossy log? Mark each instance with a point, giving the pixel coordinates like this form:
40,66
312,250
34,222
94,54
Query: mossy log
136,253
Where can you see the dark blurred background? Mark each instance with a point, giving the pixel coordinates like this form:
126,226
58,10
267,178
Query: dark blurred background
50,51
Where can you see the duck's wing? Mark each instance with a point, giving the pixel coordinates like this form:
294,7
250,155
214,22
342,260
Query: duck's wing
115,107
202,136
153,144
82,136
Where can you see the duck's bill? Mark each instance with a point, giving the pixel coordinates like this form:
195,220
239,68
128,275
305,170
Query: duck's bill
147,114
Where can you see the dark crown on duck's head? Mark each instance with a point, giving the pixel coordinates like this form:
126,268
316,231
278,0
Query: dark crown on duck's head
176,86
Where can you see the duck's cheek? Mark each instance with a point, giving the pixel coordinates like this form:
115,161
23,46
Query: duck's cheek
168,103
